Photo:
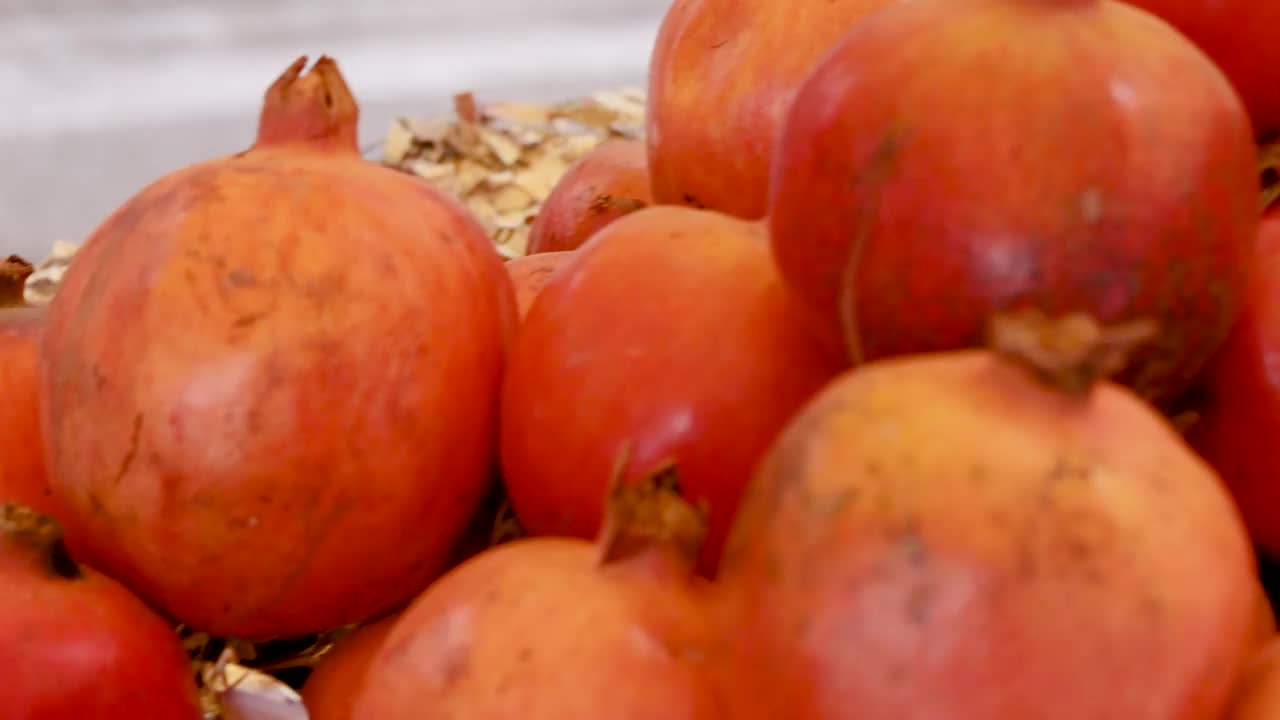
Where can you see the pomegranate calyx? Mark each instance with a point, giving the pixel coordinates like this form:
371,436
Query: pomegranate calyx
651,514
42,534
1071,352
316,108
14,272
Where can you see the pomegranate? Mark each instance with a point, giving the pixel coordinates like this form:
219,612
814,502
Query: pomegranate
670,336
75,644
330,691
530,273
1264,616
561,628
22,473
722,75
602,186
1258,697
925,178
1239,399
950,535
1240,36
271,396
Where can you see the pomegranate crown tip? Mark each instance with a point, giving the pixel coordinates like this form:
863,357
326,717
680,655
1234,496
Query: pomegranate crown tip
1070,352
651,514
42,535
315,107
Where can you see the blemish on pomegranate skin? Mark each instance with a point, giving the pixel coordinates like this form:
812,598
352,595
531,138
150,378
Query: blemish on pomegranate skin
447,646
1091,205
131,453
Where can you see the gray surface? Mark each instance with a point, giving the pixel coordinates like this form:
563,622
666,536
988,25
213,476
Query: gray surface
101,96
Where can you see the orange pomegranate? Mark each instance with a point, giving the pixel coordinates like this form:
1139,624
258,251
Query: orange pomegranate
925,178
562,628
22,473
602,186
271,395
331,690
722,76
669,336
988,534
530,273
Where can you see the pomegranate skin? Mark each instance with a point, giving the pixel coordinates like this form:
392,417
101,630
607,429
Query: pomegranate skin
75,644
539,629
943,536
22,472
722,75
1240,408
602,186
331,690
530,273
271,390
1239,35
1258,697
1129,191
668,338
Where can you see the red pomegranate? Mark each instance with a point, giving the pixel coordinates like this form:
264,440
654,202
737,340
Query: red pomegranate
1240,413
22,473
271,382
331,690
602,186
952,535
1240,36
722,76
74,644
925,178
670,337
561,628
530,273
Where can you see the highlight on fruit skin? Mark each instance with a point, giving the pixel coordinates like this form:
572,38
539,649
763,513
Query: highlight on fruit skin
953,535
288,434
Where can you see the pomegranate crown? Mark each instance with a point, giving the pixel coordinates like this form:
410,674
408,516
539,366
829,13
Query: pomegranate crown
315,108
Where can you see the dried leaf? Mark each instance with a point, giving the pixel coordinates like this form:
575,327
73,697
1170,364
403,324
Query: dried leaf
235,692
503,159
398,142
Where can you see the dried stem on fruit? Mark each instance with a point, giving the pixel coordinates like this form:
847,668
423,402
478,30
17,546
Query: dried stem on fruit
1070,352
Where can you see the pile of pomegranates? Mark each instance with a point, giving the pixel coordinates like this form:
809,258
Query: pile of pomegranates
916,363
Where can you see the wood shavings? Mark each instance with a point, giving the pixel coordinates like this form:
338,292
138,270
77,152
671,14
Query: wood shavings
502,160
234,692
44,281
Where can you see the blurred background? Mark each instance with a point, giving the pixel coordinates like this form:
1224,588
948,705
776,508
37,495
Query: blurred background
98,97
